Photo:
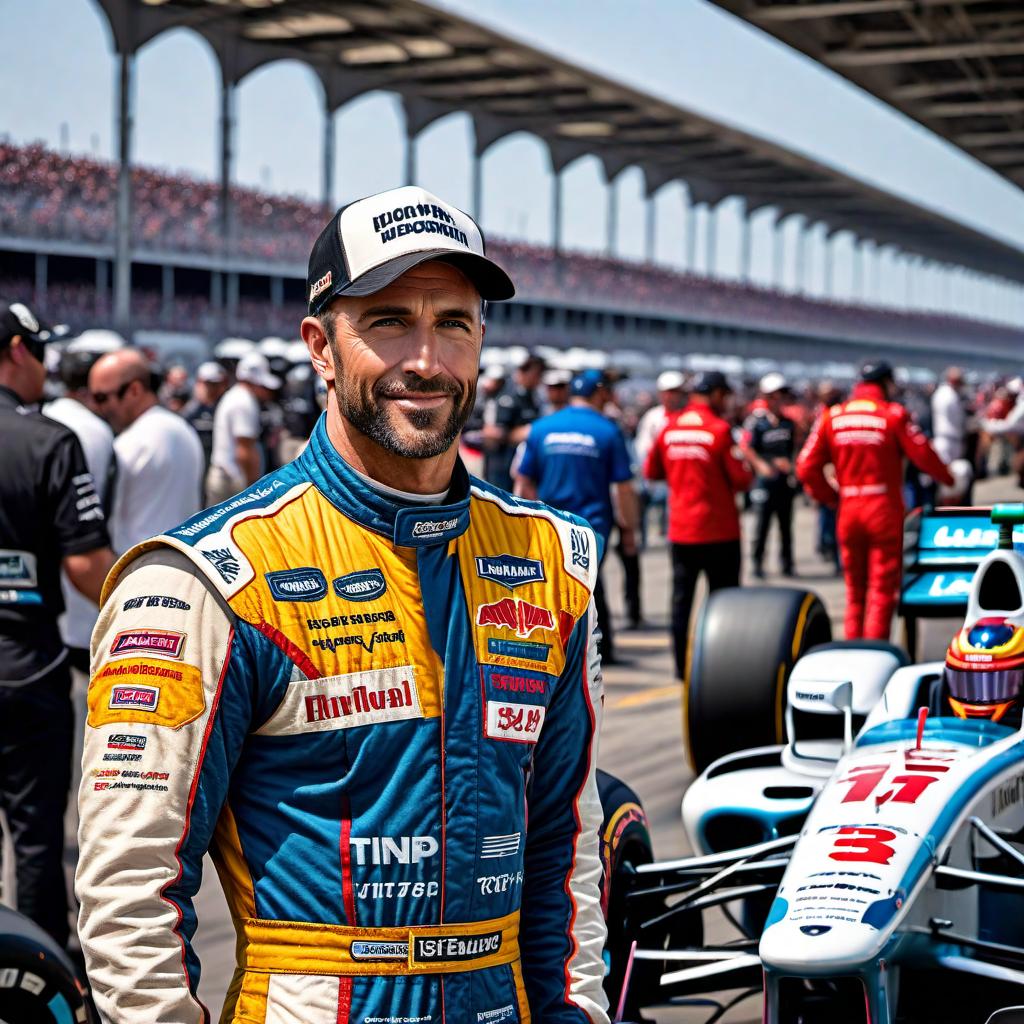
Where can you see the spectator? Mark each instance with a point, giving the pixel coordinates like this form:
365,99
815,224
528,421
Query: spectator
507,420
237,458
50,519
159,456
211,383
866,440
576,460
694,453
654,493
769,446
97,441
556,385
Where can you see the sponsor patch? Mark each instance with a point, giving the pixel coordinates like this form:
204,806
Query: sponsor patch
455,947
134,698
320,286
165,642
125,741
332,643
497,847
155,601
18,569
510,684
380,950
363,585
225,562
515,614
579,544
516,723
509,571
346,701
524,650
305,584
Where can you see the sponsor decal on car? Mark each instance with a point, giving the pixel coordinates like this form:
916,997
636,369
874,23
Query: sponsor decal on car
509,571
165,642
135,698
513,613
304,584
362,585
517,723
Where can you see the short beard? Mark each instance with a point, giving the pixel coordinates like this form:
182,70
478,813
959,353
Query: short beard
359,403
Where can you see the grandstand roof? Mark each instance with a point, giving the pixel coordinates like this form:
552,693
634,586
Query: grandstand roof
440,63
956,66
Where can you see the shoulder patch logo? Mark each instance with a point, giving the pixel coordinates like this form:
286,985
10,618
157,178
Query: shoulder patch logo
362,585
225,562
135,698
509,571
149,641
305,584
580,546
518,615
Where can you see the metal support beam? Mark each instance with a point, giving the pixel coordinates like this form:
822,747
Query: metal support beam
690,255
746,245
476,186
650,226
858,269
276,291
41,284
123,216
410,156
100,307
853,58
974,108
327,185
711,240
841,8
612,218
828,275
231,299
556,211
166,293
800,285
779,253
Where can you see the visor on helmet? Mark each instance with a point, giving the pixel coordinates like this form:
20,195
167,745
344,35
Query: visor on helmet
983,694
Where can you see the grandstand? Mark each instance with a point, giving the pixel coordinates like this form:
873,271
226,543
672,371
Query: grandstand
57,230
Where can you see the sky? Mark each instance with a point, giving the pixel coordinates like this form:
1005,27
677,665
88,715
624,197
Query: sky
687,51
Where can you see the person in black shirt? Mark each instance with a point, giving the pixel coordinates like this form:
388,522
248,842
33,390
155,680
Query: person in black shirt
211,383
768,443
507,420
50,518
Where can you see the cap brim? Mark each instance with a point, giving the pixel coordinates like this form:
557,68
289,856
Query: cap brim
489,279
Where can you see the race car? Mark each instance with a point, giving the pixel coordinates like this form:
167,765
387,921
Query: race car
859,819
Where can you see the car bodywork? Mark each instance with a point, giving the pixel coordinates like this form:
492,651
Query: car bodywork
882,841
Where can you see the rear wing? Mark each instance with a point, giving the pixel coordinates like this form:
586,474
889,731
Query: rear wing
942,549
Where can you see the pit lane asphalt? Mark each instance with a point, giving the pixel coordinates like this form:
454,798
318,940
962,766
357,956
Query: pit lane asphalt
641,739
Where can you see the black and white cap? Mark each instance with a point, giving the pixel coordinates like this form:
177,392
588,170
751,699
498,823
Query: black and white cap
17,320
373,241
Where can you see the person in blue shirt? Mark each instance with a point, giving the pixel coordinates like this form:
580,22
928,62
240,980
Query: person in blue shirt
576,460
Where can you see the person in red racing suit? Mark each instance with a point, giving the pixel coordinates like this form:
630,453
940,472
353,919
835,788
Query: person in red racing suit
866,439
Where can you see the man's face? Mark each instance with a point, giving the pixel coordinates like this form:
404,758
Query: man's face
531,374
671,399
113,397
405,360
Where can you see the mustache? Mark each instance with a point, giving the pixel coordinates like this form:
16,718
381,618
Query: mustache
413,384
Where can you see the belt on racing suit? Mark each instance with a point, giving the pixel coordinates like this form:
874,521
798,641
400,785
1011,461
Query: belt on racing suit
863,490
295,947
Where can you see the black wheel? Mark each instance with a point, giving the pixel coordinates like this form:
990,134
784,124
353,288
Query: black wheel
746,641
625,845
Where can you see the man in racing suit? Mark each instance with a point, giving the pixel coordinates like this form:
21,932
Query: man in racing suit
352,683
866,439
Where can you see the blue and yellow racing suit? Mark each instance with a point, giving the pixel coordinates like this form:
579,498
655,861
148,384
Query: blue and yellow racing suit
381,720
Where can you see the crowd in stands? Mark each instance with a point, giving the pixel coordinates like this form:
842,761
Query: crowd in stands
50,195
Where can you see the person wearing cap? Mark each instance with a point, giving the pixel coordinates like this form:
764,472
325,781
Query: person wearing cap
159,455
368,684
51,520
694,453
556,388
576,460
236,458
210,385
768,443
671,398
471,446
508,418
867,440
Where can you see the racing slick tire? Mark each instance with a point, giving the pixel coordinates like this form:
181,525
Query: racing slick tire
625,845
39,982
746,641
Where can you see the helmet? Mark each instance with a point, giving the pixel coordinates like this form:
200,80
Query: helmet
985,668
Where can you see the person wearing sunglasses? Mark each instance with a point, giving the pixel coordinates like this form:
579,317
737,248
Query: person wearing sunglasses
159,456
50,518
